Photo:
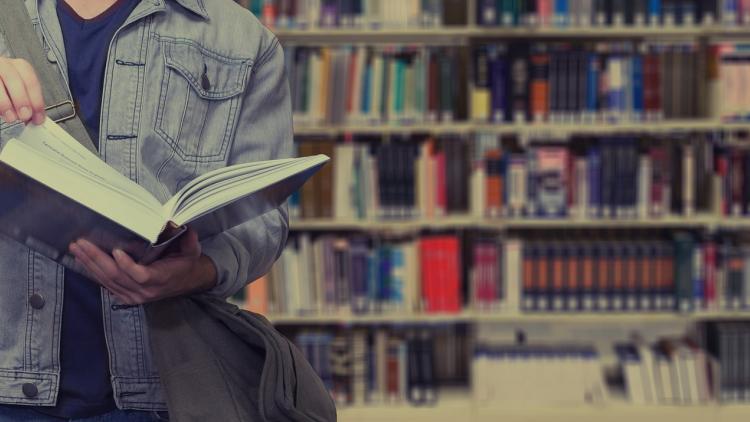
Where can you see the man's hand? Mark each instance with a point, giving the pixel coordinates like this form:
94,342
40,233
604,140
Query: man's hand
181,272
20,92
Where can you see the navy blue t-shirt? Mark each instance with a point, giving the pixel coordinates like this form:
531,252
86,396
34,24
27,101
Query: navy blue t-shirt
85,385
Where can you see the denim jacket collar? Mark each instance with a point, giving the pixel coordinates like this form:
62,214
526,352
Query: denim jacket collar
195,6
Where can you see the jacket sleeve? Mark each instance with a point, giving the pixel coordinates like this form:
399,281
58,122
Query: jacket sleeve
264,132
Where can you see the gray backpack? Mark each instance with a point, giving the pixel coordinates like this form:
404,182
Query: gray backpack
216,362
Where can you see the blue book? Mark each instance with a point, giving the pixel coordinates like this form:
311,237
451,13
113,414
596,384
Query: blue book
729,12
398,268
683,270
487,13
637,86
592,85
373,280
594,161
561,12
498,75
384,274
358,254
654,12
293,203
366,100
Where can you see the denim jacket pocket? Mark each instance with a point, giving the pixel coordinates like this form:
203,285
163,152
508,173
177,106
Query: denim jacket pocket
200,94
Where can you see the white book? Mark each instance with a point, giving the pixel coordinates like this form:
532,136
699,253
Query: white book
315,111
648,374
644,187
412,288
44,168
689,375
582,197
478,192
634,381
343,165
306,267
291,281
512,274
313,9
376,96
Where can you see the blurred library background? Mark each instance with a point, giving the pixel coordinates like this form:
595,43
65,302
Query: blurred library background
536,210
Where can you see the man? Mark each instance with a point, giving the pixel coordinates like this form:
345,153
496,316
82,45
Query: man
168,89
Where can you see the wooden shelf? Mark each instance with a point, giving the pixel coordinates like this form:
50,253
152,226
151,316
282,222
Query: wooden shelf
458,407
528,129
463,34
469,222
508,317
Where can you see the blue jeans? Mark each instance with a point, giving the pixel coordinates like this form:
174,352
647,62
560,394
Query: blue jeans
21,414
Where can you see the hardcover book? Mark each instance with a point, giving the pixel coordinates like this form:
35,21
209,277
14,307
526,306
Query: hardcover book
54,191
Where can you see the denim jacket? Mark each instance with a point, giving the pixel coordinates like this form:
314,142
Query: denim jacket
162,124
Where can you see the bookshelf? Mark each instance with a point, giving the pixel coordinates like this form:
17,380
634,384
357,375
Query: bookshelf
559,131
458,408
468,36
469,222
514,318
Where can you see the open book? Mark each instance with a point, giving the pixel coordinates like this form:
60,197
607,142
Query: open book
54,191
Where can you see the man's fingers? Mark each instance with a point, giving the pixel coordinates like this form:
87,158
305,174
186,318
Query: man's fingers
111,284
16,89
137,272
103,261
6,107
33,89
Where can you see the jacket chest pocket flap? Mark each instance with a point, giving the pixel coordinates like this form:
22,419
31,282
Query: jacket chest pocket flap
200,100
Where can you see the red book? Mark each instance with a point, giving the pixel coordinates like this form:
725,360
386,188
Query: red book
709,289
452,274
736,181
544,11
493,273
427,272
652,83
269,13
350,81
722,170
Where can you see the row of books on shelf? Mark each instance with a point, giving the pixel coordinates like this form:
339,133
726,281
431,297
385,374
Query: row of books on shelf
611,13
670,371
679,371
412,363
612,177
430,274
360,14
392,14
385,365
544,82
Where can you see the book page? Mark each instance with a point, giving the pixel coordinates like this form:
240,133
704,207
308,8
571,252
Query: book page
62,164
214,179
220,194
51,141
232,201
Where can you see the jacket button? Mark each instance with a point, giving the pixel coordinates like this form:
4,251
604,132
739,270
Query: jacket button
30,390
37,301
51,56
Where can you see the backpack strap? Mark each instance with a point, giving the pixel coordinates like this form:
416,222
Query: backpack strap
23,43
